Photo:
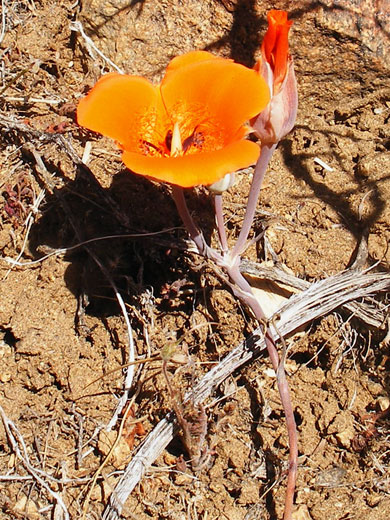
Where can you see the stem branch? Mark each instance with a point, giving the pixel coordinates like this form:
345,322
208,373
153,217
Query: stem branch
258,177
220,222
193,230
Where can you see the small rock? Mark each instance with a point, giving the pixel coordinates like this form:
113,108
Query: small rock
26,507
121,453
331,477
169,459
342,427
232,513
344,438
102,491
5,377
249,492
184,479
301,513
383,403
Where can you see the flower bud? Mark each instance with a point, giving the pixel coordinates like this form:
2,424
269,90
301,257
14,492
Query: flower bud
223,184
276,67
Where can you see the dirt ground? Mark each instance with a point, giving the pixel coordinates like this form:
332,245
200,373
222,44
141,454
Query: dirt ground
63,339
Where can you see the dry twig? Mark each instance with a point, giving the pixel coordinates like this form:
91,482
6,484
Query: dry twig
371,315
91,47
20,449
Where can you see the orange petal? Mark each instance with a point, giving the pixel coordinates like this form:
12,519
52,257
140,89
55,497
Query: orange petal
193,170
115,104
224,92
275,44
189,58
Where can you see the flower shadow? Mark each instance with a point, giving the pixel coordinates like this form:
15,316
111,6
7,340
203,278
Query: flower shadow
130,228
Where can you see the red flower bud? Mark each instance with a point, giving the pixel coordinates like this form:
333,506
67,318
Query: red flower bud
276,67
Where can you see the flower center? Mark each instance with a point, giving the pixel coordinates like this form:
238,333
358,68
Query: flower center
172,145
193,132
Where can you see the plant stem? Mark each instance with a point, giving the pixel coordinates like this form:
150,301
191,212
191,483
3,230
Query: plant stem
243,291
258,177
220,222
292,441
193,230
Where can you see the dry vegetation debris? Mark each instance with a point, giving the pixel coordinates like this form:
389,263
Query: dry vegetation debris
78,235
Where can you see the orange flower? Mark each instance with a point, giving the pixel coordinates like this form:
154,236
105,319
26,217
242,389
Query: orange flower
276,67
188,130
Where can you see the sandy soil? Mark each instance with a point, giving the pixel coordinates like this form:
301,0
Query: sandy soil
63,339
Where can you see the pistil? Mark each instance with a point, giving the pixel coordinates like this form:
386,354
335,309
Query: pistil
176,145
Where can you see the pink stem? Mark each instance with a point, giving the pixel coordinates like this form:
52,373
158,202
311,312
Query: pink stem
220,222
193,230
245,294
243,291
258,177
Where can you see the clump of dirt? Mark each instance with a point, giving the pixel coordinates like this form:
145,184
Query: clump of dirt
63,339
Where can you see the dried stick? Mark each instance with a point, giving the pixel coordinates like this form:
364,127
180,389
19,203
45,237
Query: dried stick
4,9
106,460
193,425
373,316
20,449
78,27
64,250
28,224
318,300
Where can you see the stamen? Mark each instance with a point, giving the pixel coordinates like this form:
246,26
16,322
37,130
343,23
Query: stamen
168,140
196,139
150,148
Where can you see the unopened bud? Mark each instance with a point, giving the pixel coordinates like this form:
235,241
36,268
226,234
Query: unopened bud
223,184
276,67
